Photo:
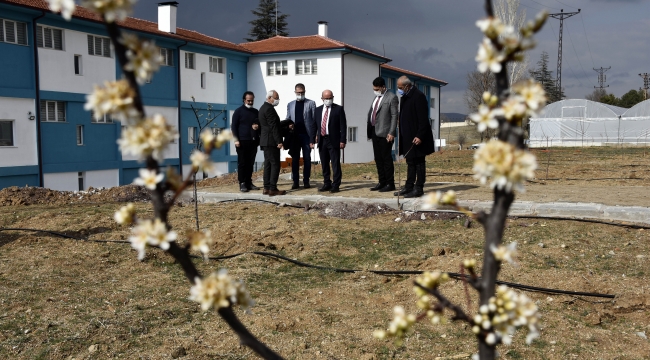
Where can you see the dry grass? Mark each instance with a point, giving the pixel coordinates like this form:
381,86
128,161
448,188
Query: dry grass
60,297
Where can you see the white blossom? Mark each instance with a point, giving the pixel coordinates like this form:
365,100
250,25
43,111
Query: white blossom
66,7
144,57
486,118
115,98
112,10
513,108
201,160
489,58
506,166
492,27
140,237
223,138
221,291
505,253
125,215
147,137
148,178
532,94
433,200
201,241
400,327
160,236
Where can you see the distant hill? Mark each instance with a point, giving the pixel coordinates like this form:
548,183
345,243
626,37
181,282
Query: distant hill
454,117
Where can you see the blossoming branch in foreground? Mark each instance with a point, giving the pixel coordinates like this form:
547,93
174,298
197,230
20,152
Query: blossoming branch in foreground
116,98
201,241
221,291
126,214
151,233
433,200
147,137
111,10
505,253
144,57
201,161
149,179
66,7
400,327
507,166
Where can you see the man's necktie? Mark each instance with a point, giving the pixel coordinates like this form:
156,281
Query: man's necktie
323,124
374,111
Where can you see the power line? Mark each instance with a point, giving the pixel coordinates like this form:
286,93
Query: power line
546,6
586,37
569,65
576,52
566,4
561,16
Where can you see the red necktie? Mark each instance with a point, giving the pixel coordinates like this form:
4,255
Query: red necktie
374,111
323,125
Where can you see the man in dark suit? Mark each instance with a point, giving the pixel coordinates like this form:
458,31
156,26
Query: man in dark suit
382,122
415,136
301,112
331,138
245,129
271,143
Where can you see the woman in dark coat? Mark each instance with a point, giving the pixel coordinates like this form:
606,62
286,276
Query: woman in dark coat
415,136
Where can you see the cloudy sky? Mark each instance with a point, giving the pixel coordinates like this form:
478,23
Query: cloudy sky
438,37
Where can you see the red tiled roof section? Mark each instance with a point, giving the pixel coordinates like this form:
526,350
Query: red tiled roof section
139,25
278,44
407,72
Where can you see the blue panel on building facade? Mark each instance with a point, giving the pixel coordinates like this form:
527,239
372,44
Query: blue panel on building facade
18,180
17,61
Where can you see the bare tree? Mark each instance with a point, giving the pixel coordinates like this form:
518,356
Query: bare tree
477,84
508,12
596,95
462,139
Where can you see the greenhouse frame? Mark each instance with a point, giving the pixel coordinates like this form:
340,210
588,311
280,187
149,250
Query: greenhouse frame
580,122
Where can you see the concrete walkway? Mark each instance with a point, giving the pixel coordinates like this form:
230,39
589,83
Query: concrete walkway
633,214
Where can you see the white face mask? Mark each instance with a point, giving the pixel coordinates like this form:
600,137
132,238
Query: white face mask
300,97
327,102
248,106
276,102
378,93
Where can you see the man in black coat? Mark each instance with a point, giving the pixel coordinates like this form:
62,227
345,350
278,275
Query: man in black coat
331,137
415,136
245,129
271,143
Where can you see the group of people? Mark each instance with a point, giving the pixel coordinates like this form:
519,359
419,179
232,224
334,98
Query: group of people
307,125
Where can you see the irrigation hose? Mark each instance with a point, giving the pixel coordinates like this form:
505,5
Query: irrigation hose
327,268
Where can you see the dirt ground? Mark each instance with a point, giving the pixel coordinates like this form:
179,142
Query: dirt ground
65,299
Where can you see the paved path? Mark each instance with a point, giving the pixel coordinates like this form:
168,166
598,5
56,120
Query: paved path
634,214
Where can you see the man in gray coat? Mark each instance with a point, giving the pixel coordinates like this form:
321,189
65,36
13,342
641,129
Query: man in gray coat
301,112
271,143
382,121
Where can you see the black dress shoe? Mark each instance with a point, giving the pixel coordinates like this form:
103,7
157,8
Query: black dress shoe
403,192
243,188
325,188
295,186
252,187
387,188
377,187
414,194
307,186
335,189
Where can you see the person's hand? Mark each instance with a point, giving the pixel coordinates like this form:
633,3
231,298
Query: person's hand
279,146
236,143
291,126
255,126
390,138
311,145
342,145
417,141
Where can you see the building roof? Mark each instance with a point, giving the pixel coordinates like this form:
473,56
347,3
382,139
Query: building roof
281,44
138,25
413,74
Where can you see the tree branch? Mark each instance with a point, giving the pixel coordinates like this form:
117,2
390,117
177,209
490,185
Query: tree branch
245,337
459,314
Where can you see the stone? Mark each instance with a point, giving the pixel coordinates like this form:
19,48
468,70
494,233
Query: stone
642,335
93,348
593,318
541,245
178,352
438,252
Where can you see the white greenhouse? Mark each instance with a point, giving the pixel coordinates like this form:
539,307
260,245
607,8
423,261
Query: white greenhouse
579,122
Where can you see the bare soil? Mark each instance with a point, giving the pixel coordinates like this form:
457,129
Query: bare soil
64,299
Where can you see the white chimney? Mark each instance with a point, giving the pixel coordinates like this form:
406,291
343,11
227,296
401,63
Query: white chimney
322,28
167,16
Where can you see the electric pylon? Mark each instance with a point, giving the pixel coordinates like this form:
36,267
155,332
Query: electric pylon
601,77
646,81
561,16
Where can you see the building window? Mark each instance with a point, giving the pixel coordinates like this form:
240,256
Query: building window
13,32
276,68
99,46
433,103
6,133
167,57
306,67
49,38
77,65
189,60
106,119
216,131
216,65
203,80
389,83
52,111
80,134
352,134
191,135
81,181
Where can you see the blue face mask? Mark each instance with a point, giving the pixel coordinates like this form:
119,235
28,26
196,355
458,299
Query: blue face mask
400,92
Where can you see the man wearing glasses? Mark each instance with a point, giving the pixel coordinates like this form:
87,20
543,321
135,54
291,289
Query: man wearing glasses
332,132
301,112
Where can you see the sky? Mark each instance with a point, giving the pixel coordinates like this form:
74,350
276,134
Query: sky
439,38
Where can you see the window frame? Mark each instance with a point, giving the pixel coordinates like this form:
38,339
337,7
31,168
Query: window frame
57,111
284,65
220,67
80,135
81,180
192,137
12,133
204,83
16,33
40,37
302,62
78,65
191,55
432,103
353,130
103,46
106,119
389,83
168,58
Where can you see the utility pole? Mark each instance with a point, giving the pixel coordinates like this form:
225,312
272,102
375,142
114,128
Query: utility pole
561,16
646,81
276,17
601,77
